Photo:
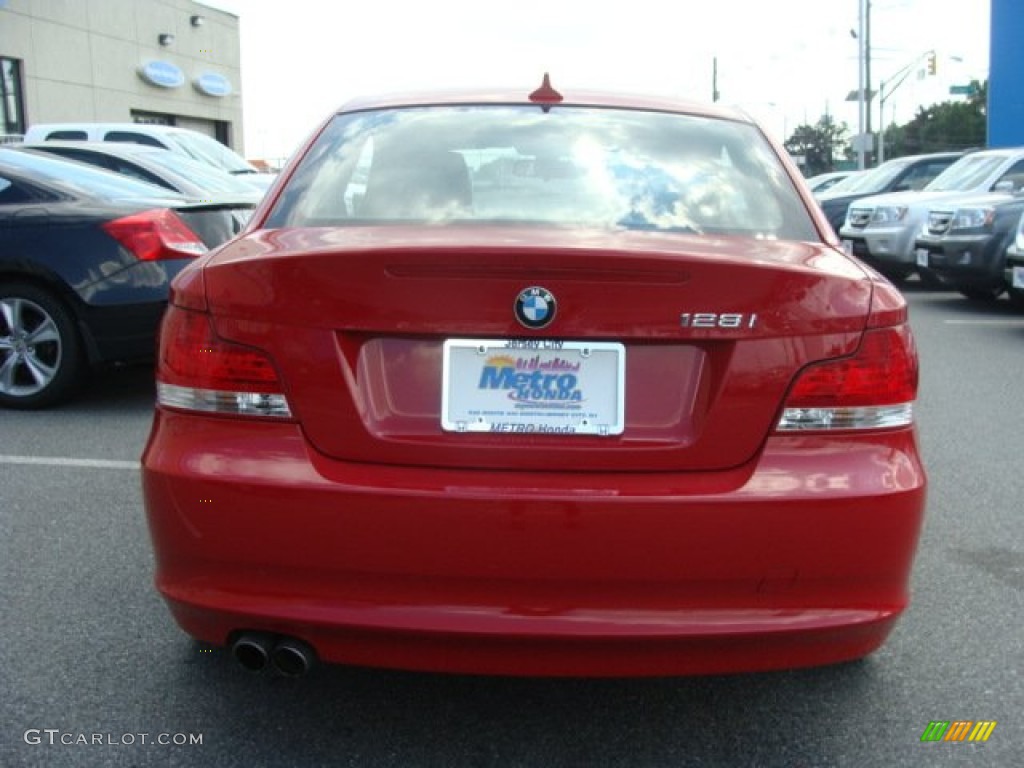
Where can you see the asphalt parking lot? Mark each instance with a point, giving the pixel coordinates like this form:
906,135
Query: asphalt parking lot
93,672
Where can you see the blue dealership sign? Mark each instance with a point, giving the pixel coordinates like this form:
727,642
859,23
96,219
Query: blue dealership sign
1005,84
212,84
163,74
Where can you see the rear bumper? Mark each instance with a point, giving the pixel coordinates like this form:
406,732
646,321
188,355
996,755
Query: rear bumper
802,557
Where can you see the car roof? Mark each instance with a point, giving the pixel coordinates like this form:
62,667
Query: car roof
48,170
932,156
521,97
103,147
997,152
187,176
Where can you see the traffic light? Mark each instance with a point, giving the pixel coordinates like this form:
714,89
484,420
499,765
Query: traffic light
931,63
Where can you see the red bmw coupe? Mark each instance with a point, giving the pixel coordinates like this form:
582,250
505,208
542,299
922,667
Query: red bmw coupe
536,383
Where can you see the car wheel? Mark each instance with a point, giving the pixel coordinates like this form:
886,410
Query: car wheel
982,294
40,350
1017,299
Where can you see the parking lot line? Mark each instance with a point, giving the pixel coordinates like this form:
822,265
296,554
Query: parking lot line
61,461
1005,322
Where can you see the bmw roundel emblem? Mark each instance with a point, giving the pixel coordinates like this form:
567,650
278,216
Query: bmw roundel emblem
535,307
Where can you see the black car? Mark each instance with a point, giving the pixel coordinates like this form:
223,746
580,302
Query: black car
86,259
964,242
1014,270
897,175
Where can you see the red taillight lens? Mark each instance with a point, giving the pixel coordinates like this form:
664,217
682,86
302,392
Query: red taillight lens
883,372
154,235
875,388
199,371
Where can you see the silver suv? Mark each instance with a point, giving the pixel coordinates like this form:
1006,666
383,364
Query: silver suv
881,229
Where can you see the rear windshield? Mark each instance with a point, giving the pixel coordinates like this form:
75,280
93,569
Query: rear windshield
571,166
201,174
210,151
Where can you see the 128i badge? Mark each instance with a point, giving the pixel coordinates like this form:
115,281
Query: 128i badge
535,307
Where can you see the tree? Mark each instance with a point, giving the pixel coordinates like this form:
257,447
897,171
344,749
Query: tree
951,125
819,144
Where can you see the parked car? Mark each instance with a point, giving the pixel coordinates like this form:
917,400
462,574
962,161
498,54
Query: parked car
191,144
881,230
1014,274
86,258
156,166
572,384
900,174
964,241
823,181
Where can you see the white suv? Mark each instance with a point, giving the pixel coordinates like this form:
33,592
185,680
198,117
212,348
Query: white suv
881,229
182,141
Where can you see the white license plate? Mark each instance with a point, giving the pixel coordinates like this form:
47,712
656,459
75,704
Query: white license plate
1018,277
538,386
847,247
922,257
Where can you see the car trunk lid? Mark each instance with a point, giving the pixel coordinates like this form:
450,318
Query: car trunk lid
713,332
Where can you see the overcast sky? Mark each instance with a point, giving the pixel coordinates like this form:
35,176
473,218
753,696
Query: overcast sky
786,61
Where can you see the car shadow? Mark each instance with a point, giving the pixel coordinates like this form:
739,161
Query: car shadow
116,388
428,718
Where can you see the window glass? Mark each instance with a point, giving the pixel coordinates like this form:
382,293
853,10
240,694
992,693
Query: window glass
966,173
589,167
131,137
15,192
66,135
878,178
12,108
204,175
923,174
1014,175
210,151
11,193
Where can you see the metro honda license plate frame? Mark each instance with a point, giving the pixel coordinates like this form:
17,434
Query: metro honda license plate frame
535,386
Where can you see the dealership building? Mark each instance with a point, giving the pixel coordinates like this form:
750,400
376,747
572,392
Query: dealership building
168,62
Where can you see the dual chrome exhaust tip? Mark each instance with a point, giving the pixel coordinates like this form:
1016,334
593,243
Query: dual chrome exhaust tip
256,651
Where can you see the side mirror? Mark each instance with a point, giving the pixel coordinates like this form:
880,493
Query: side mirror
1006,186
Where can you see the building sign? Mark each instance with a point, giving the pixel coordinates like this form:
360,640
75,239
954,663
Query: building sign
212,84
162,74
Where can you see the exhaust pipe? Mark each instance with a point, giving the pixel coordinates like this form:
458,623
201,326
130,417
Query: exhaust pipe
292,657
252,650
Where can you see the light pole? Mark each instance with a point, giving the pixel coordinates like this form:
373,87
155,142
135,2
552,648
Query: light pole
863,37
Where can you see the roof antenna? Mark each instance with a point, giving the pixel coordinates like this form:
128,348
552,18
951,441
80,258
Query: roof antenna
546,96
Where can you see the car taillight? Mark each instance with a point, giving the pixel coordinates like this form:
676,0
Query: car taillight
197,371
154,235
873,389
